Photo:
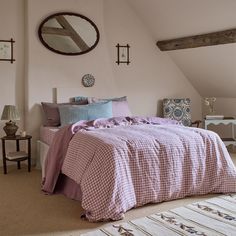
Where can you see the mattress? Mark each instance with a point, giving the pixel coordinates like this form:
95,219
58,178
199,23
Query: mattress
47,134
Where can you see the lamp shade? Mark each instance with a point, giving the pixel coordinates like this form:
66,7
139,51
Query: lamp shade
10,112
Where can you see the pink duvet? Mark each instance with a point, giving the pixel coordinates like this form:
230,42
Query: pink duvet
130,163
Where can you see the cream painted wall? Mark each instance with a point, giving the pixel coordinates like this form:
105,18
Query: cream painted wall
12,75
211,70
150,77
47,70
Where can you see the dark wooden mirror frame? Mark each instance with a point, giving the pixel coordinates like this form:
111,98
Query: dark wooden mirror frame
70,14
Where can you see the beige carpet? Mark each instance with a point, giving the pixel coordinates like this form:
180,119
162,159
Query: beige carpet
25,210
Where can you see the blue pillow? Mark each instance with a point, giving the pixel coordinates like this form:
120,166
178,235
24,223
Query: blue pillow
72,114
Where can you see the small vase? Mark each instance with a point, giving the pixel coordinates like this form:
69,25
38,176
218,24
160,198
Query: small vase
10,129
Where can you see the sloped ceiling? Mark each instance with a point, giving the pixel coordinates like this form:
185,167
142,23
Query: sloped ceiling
211,70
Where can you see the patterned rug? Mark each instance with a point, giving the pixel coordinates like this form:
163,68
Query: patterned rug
212,217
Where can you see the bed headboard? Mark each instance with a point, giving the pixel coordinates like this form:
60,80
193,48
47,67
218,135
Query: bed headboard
64,94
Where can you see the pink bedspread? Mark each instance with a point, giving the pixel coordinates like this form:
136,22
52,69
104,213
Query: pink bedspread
129,165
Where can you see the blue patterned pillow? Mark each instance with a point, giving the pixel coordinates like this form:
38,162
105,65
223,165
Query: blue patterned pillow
178,109
81,100
72,114
117,99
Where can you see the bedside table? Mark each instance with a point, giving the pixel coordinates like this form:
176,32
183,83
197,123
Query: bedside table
226,121
17,156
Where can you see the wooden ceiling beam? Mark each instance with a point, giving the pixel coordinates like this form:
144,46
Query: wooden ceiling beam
203,40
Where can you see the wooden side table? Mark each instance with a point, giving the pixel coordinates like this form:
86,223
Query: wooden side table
17,156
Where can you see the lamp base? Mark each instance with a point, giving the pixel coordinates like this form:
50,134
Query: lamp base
10,129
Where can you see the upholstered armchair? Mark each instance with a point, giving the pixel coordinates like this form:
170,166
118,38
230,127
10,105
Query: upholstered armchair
179,109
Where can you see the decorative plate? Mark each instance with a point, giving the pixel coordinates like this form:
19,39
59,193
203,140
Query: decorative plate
88,80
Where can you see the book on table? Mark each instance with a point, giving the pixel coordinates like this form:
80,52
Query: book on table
16,155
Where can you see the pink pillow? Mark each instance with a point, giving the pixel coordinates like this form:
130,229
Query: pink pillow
120,105
120,108
51,113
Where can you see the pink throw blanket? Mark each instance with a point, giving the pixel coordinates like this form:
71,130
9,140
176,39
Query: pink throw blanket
135,162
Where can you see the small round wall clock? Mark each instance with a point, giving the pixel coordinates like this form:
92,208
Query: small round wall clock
88,80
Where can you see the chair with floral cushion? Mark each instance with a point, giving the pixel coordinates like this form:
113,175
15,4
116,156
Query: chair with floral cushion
179,109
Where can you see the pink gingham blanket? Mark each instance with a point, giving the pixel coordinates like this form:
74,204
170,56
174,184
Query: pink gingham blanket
58,148
128,165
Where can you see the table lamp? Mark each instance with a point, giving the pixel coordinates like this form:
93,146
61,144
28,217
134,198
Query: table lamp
10,113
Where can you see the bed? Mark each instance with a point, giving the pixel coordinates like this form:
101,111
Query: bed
113,165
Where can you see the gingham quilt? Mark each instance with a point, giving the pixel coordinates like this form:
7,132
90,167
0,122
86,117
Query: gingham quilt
128,162
128,166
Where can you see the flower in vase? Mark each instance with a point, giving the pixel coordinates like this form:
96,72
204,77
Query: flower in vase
210,103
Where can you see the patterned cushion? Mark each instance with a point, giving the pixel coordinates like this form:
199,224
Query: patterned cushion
81,99
95,100
177,109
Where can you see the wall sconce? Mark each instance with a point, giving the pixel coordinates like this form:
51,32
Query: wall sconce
123,54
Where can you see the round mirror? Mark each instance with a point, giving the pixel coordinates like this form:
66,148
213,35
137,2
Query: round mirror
68,33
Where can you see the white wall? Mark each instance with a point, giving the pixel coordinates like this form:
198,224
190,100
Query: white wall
211,70
150,77
12,75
